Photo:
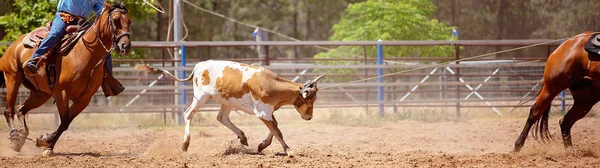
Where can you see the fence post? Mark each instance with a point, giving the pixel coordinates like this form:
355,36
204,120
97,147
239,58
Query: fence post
366,76
562,102
177,36
263,51
457,57
183,98
380,97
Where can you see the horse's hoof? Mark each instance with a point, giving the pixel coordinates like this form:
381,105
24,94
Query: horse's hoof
185,145
16,141
48,152
40,142
16,145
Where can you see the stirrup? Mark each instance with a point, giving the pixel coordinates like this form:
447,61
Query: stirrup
31,65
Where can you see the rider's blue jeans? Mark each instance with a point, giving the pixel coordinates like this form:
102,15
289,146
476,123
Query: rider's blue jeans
57,32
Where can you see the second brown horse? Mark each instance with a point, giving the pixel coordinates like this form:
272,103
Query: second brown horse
569,66
79,75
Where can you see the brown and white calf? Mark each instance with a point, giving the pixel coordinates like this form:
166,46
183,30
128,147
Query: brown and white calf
252,89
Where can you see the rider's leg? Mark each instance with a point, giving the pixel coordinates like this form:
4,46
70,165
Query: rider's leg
111,86
57,31
108,64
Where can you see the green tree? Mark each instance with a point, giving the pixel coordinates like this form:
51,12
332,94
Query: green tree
388,20
26,17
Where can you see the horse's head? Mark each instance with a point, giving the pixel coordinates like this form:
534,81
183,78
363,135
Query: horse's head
118,18
306,99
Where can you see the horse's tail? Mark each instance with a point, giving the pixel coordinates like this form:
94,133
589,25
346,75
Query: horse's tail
528,100
145,68
540,127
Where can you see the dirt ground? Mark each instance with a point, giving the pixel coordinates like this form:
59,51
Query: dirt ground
471,143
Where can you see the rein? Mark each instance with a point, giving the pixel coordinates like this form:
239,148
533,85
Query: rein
114,36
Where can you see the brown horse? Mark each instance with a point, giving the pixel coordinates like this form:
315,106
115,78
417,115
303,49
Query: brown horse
79,75
569,66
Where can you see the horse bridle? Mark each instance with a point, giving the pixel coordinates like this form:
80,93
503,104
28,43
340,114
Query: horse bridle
115,37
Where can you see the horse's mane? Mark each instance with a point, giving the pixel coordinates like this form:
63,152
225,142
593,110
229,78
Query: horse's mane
116,6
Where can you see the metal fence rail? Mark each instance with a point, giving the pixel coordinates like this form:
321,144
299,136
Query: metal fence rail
486,83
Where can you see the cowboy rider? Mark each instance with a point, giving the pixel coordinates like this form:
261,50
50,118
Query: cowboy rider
69,12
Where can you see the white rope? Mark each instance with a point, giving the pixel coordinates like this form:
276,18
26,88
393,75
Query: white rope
161,10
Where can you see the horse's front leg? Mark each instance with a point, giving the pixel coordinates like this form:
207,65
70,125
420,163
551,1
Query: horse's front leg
272,125
67,114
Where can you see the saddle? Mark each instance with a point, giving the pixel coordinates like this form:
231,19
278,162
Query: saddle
592,46
35,37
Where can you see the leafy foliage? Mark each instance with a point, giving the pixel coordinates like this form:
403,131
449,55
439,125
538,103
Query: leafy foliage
390,20
26,17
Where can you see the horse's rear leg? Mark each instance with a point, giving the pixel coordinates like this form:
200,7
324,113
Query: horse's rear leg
35,100
12,90
67,114
541,106
584,96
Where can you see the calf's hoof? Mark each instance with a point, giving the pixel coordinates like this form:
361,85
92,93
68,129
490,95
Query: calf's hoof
516,149
244,141
185,145
261,147
290,153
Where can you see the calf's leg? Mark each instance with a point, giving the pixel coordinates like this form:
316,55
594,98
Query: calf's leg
268,140
198,101
272,125
223,117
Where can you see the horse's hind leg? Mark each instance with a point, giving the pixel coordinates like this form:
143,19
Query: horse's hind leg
35,100
12,90
584,96
541,106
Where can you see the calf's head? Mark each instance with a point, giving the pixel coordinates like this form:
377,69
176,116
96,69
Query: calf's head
306,99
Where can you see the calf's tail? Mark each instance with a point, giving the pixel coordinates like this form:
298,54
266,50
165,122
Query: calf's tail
145,68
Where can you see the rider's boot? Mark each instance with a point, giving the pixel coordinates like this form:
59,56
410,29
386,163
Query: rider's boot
31,65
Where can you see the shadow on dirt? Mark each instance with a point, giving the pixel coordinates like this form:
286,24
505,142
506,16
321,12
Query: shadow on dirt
92,154
232,150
